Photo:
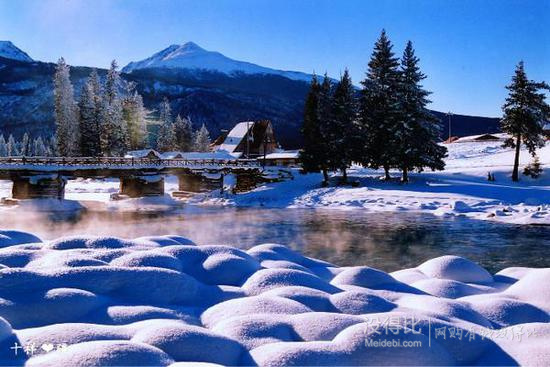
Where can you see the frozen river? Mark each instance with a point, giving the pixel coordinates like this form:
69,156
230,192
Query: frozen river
388,241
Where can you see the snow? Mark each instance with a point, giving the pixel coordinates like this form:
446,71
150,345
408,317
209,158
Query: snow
165,301
285,154
192,56
10,51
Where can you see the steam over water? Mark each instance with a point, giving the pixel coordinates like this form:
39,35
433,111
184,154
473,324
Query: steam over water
389,241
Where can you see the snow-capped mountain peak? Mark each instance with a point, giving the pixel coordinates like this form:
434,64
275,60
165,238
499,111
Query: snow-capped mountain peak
9,51
192,56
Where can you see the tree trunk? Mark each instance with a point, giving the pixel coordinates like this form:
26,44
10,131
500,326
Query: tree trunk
325,176
405,176
515,173
344,175
387,176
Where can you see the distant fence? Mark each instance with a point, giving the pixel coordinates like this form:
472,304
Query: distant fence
117,162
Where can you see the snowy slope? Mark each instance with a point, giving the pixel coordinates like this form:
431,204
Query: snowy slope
10,51
192,56
88,301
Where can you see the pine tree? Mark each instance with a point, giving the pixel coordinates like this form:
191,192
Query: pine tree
135,117
525,111
184,134
3,146
52,147
379,107
89,126
24,146
202,140
534,168
112,83
12,147
417,131
166,138
342,134
66,112
39,149
314,155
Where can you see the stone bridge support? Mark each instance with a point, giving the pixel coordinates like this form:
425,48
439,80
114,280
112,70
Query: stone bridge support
41,186
139,186
200,182
247,180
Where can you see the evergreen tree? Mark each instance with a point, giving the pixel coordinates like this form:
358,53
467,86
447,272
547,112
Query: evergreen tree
342,133
202,140
112,83
315,155
166,138
184,134
12,147
135,117
379,107
534,168
89,122
39,149
52,147
3,147
417,131
525,111
24,146
66,112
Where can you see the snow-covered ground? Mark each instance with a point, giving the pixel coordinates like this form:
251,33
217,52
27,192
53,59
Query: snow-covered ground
462,189
86,301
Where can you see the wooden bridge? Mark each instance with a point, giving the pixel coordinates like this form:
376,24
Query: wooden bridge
45,177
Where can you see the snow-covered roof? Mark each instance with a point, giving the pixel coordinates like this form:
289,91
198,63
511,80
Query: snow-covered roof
284,154
142,153
198,155
235,136
472,138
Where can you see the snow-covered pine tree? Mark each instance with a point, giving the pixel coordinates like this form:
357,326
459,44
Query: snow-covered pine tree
202,140
343,131
166,138
379,107
52,147
25,145
184,134
135,117
312,153
11,147
417,132
39,149
114,130
66,112
3,146
525,111
89,127
534,168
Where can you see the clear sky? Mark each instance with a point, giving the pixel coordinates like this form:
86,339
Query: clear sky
468,48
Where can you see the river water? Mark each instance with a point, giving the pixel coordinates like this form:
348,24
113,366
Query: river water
388,241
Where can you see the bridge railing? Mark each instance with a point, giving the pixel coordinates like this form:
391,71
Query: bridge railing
123,162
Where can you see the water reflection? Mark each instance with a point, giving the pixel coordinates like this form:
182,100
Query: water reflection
388,241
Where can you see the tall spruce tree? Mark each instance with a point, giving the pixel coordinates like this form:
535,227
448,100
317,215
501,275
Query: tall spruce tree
312,155
135,117
12,147
379,107
202,140
3,146
166,138
39,149
66,112
25,145
525,111
89,124
417,131
114,131
184,134
341,133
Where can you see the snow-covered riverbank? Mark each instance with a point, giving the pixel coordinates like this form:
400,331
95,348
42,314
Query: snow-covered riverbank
462,189
166,301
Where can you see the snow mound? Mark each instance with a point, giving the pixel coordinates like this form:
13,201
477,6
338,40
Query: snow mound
165,301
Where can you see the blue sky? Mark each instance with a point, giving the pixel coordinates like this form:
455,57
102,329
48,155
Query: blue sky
468,48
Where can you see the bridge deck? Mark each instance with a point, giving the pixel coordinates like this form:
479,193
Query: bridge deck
115,166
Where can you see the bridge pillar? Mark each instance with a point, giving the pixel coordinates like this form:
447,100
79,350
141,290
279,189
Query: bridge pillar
39,187
189,182
139,186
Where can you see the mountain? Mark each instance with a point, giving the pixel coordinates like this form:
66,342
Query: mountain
9,51
220,98
192,56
